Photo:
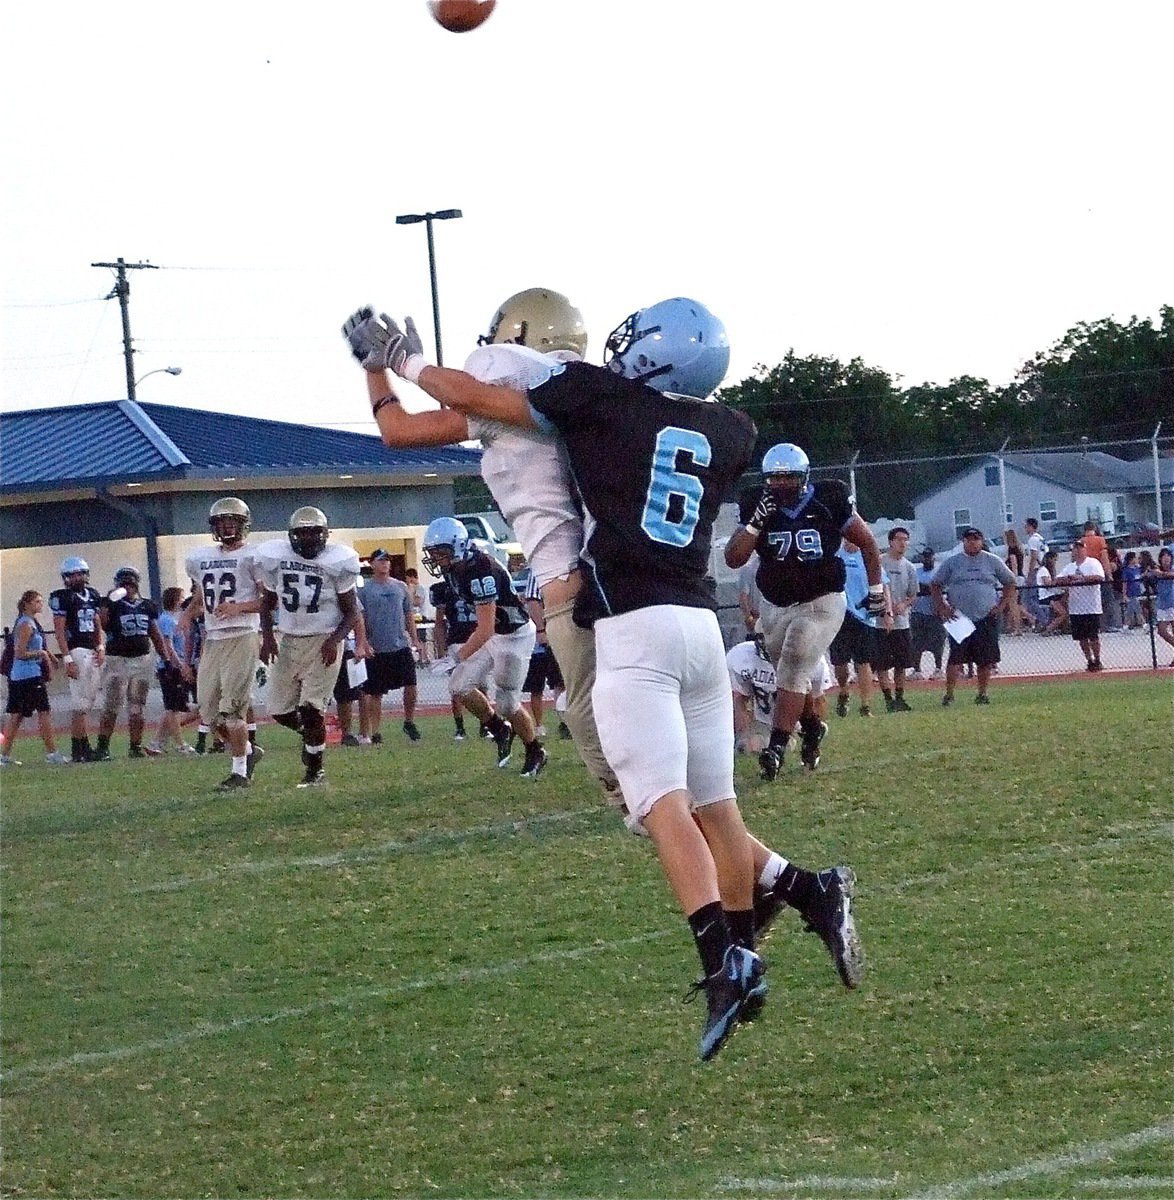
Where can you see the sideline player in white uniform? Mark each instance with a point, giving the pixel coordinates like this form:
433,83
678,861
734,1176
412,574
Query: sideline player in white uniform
525,470
310,586
754,682
228,592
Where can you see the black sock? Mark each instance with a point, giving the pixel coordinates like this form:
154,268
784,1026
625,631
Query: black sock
103,743
313,760
900,693
741,923
712,935
810,725
498,726
796,885
779,739
888,694
460,726
76,747
252,737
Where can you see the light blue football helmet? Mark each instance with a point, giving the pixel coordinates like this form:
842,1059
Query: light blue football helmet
676,346
75,566
787,459
445,533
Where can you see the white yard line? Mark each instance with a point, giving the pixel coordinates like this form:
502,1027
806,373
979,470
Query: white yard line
1082,1155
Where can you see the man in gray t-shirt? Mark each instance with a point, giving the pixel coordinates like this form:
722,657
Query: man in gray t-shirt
968,583
391,631
895,645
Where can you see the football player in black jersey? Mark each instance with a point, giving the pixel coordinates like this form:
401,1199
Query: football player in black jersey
652,462
796,526
133,624
77,623
499,646
455,620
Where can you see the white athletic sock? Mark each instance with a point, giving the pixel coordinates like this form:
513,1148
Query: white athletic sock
775,866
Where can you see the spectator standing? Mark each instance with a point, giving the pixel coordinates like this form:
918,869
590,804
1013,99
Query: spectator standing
1083,577
1098,549
896,642
1013,605
857,641
1034,549
1053,601
419,599
1133,589
1116,601
927,633
391,633
1161,579
968,584
32,665
77,625
174,678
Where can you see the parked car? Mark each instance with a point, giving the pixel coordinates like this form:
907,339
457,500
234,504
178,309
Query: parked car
492,528
1062,535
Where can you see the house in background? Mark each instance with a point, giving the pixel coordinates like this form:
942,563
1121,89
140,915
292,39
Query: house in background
1051,486
130,483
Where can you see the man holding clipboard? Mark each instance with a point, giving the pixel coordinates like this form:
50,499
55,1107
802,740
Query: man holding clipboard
966,595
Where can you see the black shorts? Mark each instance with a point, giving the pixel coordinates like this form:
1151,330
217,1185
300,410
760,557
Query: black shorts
27,696
343,692
174,688
855,643
1084,626
543,673
894,648
390,670
981,647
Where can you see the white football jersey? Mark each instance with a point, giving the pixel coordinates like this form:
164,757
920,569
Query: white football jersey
307,589
526,469
226,575
752,675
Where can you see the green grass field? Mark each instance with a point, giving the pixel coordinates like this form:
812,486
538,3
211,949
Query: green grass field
435,978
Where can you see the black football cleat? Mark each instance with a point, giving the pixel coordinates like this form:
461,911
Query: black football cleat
809,746
736,992
233,783
829,913
770,762
536,760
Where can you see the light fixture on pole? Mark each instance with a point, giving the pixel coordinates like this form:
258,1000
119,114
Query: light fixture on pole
445,214
160,371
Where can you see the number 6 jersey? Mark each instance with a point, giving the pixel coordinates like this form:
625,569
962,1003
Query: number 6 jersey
307,588
652,469
220,575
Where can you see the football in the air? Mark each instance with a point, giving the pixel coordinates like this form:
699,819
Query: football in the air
459,16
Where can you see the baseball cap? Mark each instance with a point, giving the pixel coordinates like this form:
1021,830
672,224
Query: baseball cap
971,531
379,553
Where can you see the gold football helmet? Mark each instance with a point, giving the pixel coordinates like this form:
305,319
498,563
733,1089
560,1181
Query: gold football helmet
308,531
538,318
229,520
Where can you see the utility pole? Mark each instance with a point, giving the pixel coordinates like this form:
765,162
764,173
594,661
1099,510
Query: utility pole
121,289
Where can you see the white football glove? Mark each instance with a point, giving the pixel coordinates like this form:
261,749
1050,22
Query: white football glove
404,353
367,335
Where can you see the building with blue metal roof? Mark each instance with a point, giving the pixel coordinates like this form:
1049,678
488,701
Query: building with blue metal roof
125,482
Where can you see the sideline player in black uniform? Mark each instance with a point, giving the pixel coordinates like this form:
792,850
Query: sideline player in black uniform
652,463
796,526
455,621
133,622
499,646
77,624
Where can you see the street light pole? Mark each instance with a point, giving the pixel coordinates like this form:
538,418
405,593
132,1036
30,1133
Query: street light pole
160,371
446,214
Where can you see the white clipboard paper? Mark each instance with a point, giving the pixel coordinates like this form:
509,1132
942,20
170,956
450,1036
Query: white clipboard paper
959,627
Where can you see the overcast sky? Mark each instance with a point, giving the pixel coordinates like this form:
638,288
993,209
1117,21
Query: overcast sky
940,189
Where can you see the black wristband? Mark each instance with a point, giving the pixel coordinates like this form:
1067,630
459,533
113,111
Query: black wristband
383,403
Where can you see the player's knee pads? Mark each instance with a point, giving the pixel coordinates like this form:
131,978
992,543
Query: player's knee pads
793,671
507,701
